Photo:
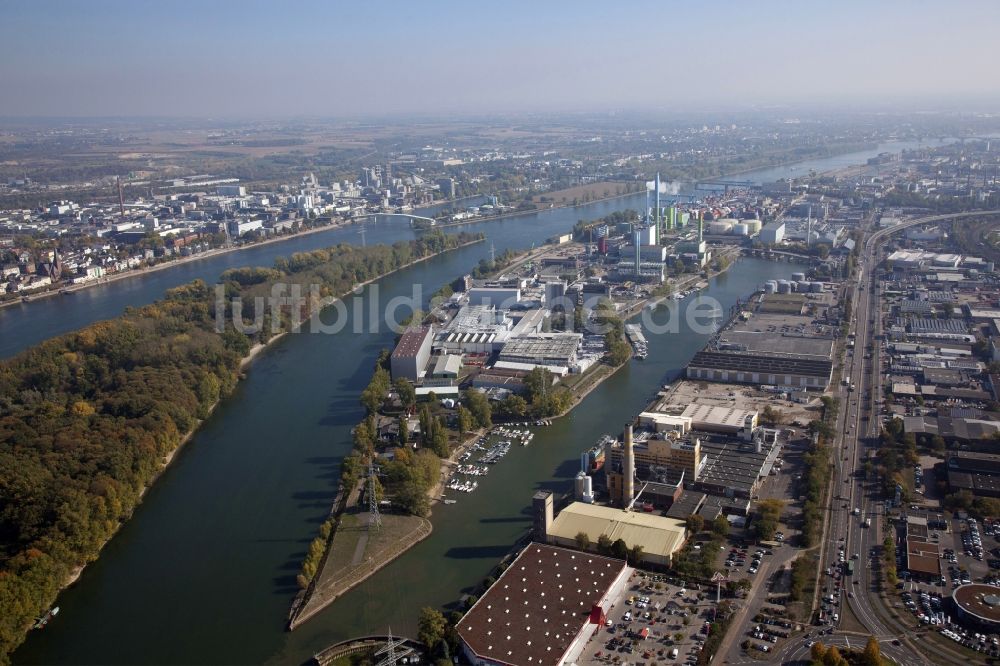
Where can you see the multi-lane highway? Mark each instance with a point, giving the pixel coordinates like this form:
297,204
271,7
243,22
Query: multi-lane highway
855,499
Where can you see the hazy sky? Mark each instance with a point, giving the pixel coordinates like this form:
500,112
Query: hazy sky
276,58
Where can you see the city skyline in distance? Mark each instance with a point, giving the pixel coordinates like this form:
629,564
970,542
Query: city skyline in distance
229,59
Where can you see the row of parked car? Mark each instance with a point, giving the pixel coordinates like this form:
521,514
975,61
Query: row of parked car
973,640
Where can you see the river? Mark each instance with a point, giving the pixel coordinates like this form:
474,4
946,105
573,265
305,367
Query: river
204,571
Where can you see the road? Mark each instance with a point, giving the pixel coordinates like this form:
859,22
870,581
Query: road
858,420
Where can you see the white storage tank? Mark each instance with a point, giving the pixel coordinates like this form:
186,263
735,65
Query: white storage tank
741,229
798,277
816,287
770,286
784,287
754,226
802,287
720,227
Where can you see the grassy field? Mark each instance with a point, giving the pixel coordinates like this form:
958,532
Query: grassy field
341,571
582,193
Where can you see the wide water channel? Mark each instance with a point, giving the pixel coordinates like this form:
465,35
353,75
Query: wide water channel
204,571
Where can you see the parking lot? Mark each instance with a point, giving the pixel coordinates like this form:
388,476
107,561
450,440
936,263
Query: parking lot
968,555
658,620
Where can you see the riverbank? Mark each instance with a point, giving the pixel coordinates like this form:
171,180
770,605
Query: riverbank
70,289
164,462
519,213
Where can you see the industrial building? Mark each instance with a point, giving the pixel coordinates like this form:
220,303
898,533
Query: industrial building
662,459
772,233
775,345
975,472
659,537
725,420
728,458
497,297
734,468
543,609
412,353
548,349
752,368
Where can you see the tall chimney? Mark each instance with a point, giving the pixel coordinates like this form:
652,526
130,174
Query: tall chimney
628,468
121,198
809,227
657,218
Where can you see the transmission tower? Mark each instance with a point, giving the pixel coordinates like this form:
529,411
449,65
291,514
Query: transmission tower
374,517
389,649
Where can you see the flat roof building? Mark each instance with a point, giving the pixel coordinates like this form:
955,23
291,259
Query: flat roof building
659,537
543,609
979,605
412,353
754,368
714,418
558,349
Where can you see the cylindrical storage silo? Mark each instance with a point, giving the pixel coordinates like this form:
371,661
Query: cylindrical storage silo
798,277
770,287
802,286
580,485
816,287
720,227
741,230
588,491
754,226
784,287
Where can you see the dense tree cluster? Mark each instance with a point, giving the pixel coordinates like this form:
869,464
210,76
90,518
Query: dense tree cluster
768,517
816,476
821,655
542,399
897,452
89,418
581,230
803,571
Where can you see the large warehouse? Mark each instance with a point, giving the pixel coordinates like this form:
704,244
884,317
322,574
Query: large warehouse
543,609
659,537
556,349
754,368
411,355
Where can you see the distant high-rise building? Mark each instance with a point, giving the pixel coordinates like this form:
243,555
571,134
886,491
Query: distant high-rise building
447,187
372,176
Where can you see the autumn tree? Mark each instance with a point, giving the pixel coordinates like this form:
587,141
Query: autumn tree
872,656
431,627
